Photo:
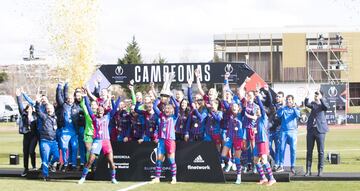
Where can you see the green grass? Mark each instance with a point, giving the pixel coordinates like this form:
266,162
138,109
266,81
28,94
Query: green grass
60,185
301,186
8,125
344,141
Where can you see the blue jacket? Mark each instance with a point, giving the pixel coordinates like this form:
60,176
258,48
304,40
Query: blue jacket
288,118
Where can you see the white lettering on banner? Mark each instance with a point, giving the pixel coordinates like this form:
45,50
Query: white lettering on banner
155,74
200,77
165,70
146,74
190,167
207,73
190,72
173,71
137,76
121,157
180,73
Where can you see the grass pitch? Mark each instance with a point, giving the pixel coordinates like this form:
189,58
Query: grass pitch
342,140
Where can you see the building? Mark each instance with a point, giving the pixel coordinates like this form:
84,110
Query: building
33,75
290,58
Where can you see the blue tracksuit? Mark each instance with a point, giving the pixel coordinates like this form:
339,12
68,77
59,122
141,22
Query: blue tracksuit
68,132
288,132
48,144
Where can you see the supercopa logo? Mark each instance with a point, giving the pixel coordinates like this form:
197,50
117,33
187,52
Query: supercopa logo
119,70
332,91
228,68
153,156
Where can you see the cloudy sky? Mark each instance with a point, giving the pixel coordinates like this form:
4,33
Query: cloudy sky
178,30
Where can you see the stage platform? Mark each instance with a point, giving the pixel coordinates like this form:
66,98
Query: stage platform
229,176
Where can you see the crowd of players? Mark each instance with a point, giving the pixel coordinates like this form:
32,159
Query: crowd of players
247,127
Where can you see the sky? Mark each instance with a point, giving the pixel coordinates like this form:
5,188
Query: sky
180,31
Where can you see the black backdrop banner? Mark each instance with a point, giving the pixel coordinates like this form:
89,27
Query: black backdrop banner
196,162
146,73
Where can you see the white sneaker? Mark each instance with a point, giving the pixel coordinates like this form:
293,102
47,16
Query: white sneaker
233,167
173,181
222,165
155,181
228,166
81,181
114,181
238,180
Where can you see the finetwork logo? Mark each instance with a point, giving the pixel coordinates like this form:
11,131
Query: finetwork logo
199,159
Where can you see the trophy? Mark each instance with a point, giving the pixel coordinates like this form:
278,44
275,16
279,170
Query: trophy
168,78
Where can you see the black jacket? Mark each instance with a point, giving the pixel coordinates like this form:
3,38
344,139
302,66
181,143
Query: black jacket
317,116
48,130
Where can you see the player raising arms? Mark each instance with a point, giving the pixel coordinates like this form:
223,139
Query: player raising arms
101,138
235,138
166,136
262,142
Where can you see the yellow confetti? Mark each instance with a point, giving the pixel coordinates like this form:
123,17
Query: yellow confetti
72,28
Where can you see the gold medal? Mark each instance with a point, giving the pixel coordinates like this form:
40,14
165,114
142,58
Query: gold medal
236,128
151,129
196,125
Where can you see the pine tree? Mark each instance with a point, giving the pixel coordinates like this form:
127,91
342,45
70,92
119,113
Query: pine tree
132,55
160,60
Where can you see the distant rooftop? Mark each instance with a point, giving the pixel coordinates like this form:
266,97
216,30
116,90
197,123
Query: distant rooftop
297,29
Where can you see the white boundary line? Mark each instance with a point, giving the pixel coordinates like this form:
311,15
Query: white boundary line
134,186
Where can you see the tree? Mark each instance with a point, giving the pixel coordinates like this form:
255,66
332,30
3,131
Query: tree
3,77
159,60
132,55
216,58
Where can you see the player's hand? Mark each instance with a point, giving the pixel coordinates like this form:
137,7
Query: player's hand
319,95
140,141
186,138
266,87
37,97
18,92
193,105
247,79
126,139
227,75
190,83
98,79
197,73
131,82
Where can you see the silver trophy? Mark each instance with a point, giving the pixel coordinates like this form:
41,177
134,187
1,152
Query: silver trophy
168,78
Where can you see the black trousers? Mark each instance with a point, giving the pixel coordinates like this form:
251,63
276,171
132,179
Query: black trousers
29,145
312,137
